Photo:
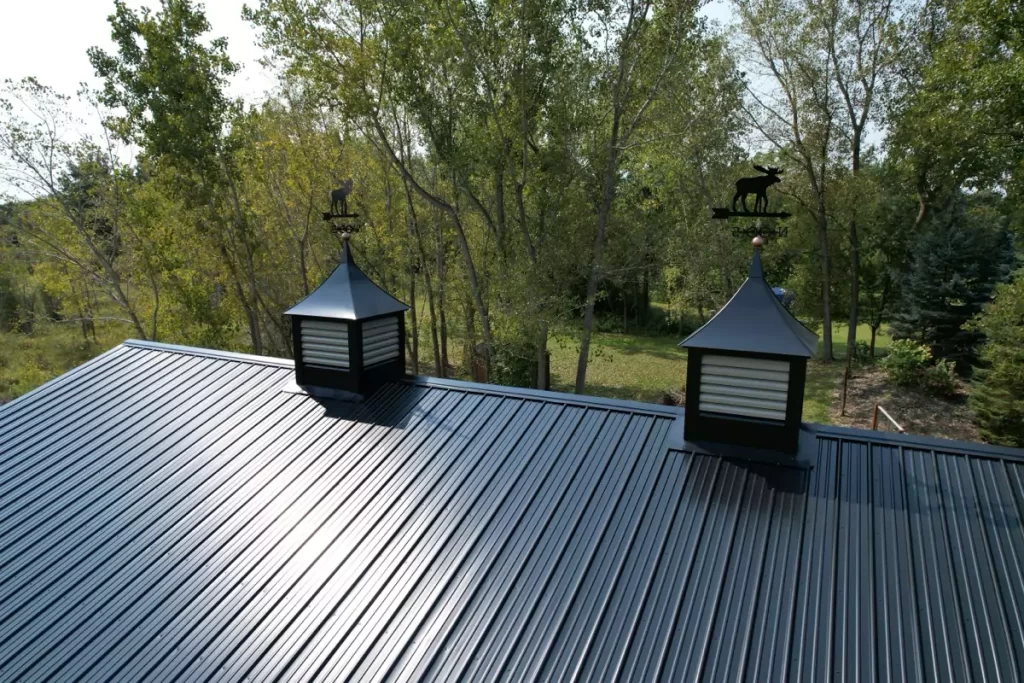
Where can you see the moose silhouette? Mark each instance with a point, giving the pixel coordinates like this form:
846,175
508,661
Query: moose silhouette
339,198
758,185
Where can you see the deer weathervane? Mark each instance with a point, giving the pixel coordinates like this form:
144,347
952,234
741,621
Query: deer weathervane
343,221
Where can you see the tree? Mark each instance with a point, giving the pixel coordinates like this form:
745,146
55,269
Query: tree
955,266
997,389
77,193
861,45
170,84
797,112
638,48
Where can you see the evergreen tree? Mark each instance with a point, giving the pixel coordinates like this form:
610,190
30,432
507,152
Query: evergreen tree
955,266
997,391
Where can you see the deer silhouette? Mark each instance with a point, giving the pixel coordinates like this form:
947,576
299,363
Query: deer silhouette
758,185
339,198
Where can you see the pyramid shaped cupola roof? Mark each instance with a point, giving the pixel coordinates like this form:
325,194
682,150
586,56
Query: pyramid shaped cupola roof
347,294
755,321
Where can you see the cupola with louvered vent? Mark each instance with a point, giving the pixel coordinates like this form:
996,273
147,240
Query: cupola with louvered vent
348,334
746,371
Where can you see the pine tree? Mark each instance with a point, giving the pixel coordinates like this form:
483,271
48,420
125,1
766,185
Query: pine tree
997,390
955,266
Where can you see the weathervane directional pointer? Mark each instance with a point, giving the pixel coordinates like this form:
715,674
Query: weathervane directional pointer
757,186
728,213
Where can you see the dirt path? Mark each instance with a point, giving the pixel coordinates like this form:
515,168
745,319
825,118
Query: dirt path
917,412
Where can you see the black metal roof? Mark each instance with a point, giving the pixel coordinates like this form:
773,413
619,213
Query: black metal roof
347,294
755,307
176,514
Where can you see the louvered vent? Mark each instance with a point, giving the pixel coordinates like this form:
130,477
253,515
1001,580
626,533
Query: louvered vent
325,344
380,341
751,387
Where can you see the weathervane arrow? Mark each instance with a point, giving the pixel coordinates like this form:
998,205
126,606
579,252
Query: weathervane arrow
728,213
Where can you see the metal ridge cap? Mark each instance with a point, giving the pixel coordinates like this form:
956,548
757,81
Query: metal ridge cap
919,441
210,353
622,405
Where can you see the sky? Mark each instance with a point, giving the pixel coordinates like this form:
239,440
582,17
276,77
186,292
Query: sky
49,43
48,40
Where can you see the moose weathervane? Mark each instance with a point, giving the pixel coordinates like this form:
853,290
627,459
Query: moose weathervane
343,221
757,186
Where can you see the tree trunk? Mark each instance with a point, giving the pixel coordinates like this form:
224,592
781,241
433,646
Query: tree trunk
474,286
874,331
250,313
413,327
434,343
607,195
441,318
543,381
469,341
826,284
851,332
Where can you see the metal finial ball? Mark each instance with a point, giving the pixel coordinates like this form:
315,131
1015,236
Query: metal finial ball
758,241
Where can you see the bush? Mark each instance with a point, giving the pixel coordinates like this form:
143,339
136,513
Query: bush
906,362
862,353
940,379
514,363
997,391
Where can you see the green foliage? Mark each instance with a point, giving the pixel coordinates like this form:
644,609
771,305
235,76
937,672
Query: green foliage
997,388
169,80
955,266
940,379
862,353
514,363
909,364
906,361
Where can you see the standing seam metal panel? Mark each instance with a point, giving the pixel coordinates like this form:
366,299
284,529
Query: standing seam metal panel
174,516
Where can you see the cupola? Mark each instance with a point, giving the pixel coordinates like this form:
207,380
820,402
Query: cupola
348,334
746,370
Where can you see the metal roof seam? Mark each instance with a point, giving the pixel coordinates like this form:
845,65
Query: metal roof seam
176,516
61,380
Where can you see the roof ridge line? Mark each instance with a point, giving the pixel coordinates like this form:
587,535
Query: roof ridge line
209,353
618,404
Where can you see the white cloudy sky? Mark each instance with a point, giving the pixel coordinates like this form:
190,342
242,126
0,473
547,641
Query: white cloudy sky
48,39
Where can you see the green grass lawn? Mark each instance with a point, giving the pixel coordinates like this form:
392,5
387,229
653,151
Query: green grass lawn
643,368
824,378
626,366
621,365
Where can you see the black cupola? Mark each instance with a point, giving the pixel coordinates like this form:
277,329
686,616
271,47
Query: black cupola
349,334
746,371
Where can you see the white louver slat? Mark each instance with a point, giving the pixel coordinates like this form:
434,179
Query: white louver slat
751,387
325,344
380,341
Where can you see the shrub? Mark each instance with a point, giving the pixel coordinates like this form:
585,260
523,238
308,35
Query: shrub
940,379
997,390
862,353
514,363
906,362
